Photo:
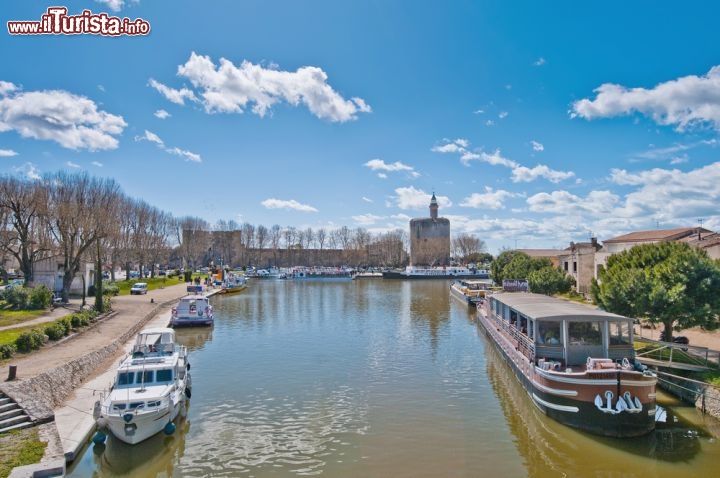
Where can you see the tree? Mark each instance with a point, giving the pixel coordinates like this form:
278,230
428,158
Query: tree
465,245
549,280
669,283
498,265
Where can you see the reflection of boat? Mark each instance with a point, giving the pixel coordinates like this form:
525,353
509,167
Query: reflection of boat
194,338
472,292
449,272
150,388
194,309
317,273
157,456
576,362
232,283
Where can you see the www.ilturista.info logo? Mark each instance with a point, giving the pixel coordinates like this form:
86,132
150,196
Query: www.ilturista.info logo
57,22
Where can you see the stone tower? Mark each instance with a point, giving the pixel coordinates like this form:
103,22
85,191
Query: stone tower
430,239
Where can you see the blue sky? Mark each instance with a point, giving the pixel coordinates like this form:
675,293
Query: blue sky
535,123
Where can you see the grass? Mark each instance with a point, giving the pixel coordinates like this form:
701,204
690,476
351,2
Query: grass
154,283
12,317
18,448
8,336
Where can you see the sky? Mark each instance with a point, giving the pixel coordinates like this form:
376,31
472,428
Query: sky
534,123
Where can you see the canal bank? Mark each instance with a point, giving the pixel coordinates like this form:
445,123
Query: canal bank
50,380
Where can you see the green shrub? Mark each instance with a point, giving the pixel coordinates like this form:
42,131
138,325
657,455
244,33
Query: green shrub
17,297
110,289
79,319
29,341
54,331
7,351
40,297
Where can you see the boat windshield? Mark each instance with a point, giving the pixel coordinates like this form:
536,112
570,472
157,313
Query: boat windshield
144,377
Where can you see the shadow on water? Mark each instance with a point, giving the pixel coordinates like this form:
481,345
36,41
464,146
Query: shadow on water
549,448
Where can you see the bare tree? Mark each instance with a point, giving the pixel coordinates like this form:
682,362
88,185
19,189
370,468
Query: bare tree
24,238
73,215
465,245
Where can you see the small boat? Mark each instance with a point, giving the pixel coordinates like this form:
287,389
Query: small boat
472,292
232,283
193,309
367,274
444,272
576,362
150,389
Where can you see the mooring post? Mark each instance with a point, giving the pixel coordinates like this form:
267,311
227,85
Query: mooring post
12,372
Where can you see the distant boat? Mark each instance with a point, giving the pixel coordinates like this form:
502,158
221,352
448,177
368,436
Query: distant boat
317,273
150,388
194,309
470,291
441,272
576,362
366,275
232,283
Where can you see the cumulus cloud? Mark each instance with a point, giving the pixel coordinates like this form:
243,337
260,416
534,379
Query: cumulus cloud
114,5
29,170
4,153
537,146
162,114
539,62
367,219
228,88
73,121
380,165
413,198
153,138
490,199
522,174
596,203
683,103
287,204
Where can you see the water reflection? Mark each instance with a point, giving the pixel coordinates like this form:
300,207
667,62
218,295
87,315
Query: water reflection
551,449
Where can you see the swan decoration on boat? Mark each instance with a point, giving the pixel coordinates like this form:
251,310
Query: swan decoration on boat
625,403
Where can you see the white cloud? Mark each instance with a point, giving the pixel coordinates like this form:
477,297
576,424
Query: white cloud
101,88
162,114
4,153
537,146
153,138
114,5
190,156
171,94
367,219
72,165
489,123
97,163
539,62
6,87
522,174
29,171
367,199
150,136
380,165
488,200
412,198
382,175
503,114
287,204
70,120
494,159
597,203
684,102
228,88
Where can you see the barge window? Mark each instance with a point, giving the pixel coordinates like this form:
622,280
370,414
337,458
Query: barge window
164,375
584,333
619,333
125,378
549,333
147,376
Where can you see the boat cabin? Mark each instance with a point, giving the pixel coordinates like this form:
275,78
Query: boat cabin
192,305
562,333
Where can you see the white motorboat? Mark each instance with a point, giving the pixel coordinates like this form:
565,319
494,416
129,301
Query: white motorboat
150,389
193,309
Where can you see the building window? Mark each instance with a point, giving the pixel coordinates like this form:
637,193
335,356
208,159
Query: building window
575,267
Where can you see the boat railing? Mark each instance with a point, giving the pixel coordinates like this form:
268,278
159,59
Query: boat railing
523,343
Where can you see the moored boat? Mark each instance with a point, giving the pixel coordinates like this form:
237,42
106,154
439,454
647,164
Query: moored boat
150,388
232,283
470,291
576,362
193,309
445,272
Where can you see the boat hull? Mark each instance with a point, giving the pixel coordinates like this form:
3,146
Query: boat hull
191,322
585,400
141,426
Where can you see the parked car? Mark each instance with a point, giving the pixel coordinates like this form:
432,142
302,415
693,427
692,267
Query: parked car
139,288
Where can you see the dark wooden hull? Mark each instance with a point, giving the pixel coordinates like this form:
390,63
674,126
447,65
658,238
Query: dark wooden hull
580,399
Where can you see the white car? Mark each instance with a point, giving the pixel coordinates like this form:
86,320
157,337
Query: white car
139,288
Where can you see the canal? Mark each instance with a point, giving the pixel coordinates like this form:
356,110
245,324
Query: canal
373,378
